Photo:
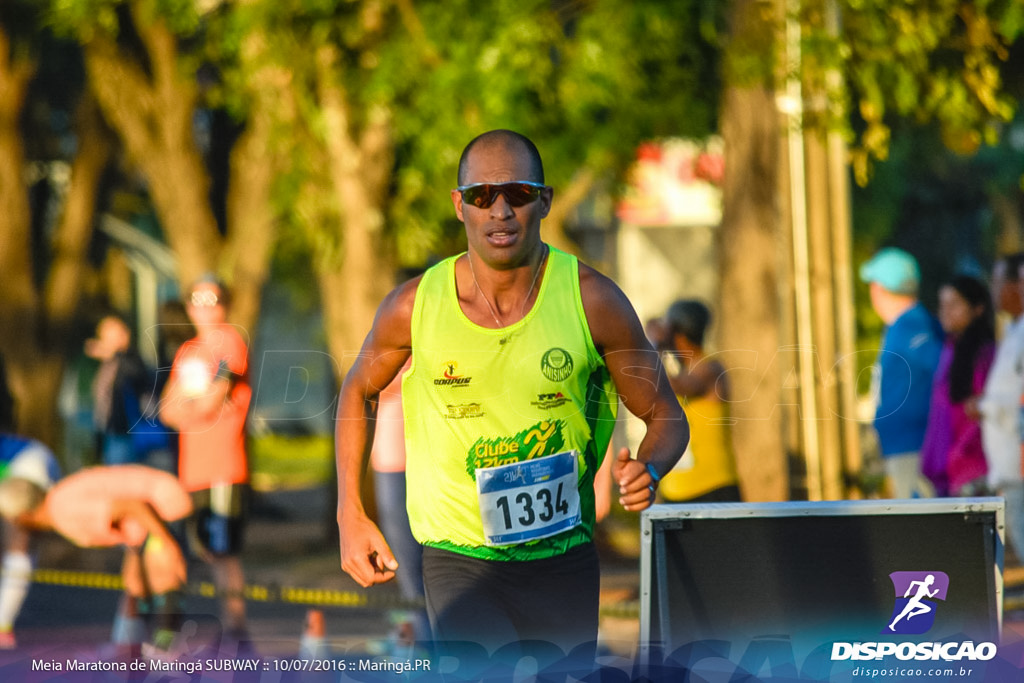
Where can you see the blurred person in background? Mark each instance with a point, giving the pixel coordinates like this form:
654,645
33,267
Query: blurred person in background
707,471
174,328
106,506
952,456
207,400
31,461
387,458
1000,402
904,369
121,386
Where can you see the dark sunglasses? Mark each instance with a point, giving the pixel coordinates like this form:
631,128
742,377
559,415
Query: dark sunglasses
516,193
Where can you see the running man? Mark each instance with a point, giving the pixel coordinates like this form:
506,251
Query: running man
509,407
915,606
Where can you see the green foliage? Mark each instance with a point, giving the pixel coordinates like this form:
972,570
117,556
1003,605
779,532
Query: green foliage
936,61
84,19
587,85
586,82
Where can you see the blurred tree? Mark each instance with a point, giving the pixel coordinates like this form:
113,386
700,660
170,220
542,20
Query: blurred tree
44,266
376,99
750,245
351,118
143,61
939,61
895,59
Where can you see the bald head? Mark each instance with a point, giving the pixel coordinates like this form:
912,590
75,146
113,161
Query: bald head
506,140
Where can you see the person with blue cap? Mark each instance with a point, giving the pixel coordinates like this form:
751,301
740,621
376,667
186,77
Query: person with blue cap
904,369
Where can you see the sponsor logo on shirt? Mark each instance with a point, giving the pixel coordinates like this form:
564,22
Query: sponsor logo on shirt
543,438
556,364
450,376
463,410
551,400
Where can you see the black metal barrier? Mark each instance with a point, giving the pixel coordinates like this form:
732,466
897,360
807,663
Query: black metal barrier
837,582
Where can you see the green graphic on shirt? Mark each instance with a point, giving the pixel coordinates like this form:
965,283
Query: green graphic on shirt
543,438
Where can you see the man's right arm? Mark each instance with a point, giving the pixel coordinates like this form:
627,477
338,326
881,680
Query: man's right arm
365,555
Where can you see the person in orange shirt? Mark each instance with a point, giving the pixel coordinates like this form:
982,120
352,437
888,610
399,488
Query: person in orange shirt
105,506
207,400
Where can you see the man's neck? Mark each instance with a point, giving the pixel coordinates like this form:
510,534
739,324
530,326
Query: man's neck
509,290
896,307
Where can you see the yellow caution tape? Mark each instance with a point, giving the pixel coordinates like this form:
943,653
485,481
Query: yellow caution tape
257,593
315,597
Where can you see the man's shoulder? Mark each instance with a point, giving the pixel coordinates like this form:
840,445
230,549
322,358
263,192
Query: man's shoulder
394,316
917,325
403,296
610,314
595,283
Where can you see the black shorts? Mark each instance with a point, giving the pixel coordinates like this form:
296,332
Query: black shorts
218,518
549,602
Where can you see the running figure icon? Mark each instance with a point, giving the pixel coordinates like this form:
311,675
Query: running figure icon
915,606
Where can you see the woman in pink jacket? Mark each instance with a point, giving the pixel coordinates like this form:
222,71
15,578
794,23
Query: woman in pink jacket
952,456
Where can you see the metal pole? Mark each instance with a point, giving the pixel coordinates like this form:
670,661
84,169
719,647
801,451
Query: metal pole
793,108
842,267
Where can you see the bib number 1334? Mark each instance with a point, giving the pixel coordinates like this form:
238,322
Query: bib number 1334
527,501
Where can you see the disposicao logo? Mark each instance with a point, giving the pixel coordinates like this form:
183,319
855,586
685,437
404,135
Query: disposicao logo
916,595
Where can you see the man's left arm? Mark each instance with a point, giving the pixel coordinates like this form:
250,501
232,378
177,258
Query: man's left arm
642,385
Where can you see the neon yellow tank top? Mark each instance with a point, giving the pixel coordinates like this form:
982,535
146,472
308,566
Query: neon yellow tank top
477,397
708,463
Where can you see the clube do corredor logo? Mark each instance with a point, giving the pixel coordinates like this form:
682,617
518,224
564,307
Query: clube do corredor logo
918,596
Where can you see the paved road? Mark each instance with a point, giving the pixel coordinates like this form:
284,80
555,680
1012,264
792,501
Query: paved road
286,547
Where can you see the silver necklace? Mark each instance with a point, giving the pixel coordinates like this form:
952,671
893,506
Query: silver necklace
522,309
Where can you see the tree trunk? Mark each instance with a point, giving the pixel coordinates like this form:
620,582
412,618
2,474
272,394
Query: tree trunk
17,295
749,249
353,286
254,165
565,203
1009,217
153,112
75,230
33,328
250,222
155,122
19,301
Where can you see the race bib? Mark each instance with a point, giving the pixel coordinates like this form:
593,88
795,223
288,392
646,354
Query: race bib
527,501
